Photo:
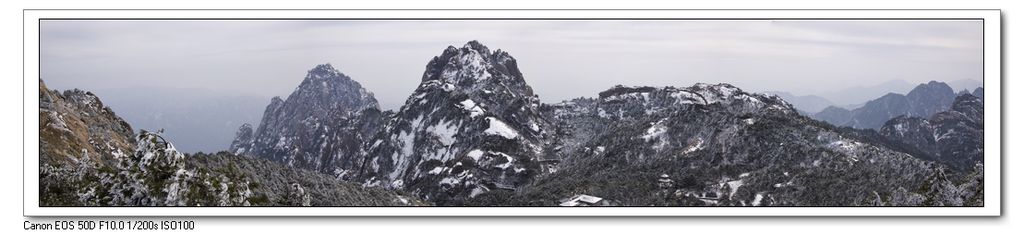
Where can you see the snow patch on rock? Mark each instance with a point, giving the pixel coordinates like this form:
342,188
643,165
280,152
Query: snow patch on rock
497,127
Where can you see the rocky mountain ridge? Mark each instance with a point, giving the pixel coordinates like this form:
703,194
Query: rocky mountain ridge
713,145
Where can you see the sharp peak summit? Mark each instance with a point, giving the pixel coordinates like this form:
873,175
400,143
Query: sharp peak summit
326,78
933,83
324,67
325,70
931,86
471,63
476,46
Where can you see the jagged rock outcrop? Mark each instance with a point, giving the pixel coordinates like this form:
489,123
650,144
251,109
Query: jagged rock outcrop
243,139
75,123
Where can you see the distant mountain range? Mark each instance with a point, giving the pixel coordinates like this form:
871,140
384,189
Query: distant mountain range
856,97
923,101
473,133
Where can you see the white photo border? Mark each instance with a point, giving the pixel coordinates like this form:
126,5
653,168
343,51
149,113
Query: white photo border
992,52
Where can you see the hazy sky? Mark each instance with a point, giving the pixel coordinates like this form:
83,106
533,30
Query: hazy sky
560,59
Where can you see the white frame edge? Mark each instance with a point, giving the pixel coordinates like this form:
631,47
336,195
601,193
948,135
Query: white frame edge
992,83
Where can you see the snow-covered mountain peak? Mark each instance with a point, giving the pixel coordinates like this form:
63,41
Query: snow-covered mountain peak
474,68
325,86
472,125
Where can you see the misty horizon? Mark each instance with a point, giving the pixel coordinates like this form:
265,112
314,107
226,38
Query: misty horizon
560,60
269,58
